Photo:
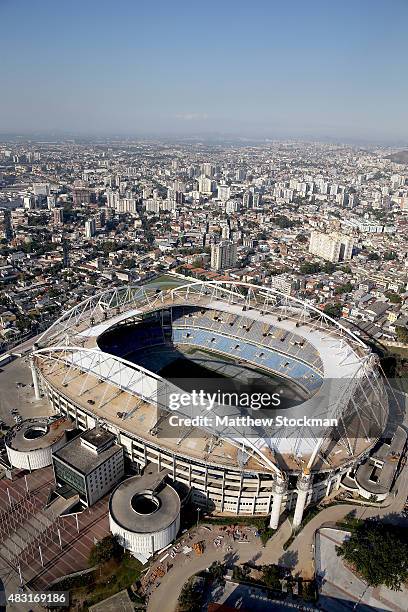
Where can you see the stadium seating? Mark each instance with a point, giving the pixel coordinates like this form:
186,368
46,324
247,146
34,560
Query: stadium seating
239,326
237,336
269,359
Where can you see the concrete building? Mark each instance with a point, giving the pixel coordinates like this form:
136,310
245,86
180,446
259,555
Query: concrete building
224,192
126,205
223,255
58,216
152,205
285,283
375,476
144,512
91,464
30,444
90,228
332,247
205,185
81,196
6,230
245,328
112,198
232,206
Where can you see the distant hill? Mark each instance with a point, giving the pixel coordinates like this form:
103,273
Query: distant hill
401,157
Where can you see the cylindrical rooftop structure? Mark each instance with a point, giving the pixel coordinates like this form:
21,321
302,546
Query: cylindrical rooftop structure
30,444
144,512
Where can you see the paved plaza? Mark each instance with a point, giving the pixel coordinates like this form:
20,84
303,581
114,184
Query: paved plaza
341,589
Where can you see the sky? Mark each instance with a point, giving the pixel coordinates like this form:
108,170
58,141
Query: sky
335,69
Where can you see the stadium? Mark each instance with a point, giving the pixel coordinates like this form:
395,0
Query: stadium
116,358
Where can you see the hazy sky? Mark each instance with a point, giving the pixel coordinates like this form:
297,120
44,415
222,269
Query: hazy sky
273,68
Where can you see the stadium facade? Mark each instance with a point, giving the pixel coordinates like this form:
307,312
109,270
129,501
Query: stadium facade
88,364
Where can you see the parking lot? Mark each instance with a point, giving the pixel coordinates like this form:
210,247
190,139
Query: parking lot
17,394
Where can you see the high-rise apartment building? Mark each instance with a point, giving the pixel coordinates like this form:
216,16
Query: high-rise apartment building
152,205
126,205
90,228
112,198
256,199
81,196
6,230
224,192
29,202
223,255
205,185
58,216
332,247
232,206
208,169
247,199
397,181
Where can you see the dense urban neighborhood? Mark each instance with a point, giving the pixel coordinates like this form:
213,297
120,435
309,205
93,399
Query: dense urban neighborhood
327,223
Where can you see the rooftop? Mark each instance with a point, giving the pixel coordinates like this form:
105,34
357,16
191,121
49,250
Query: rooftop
108,403
378,480
35,434
82,458
141,505
98,438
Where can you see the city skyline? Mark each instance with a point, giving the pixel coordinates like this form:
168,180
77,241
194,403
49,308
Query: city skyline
308,72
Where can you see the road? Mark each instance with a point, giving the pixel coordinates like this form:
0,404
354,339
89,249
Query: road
299,556
164,598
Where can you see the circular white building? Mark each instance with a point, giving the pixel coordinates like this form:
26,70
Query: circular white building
30,444
144,512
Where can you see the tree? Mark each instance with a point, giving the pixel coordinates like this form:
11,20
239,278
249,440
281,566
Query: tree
373,257
301,238
333,310
346,288
390,256
393,297
329,267
379,553
216,571
189,600
402,334
271,575
309,590
129,263
241,573
104,550
283,222
310,268
198,263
